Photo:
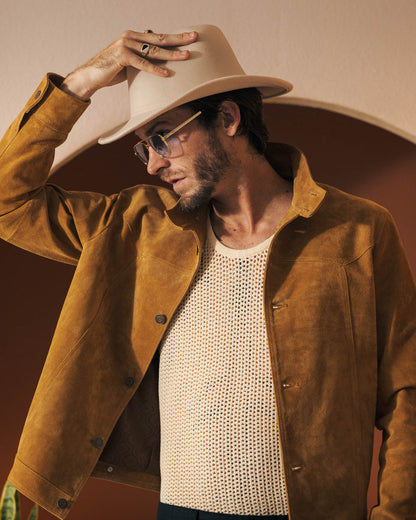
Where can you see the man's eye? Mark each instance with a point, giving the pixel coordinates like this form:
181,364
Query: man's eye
163,133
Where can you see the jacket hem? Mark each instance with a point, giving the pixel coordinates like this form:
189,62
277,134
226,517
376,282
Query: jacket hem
120,475
39,489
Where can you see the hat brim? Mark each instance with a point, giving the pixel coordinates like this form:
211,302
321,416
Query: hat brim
268,87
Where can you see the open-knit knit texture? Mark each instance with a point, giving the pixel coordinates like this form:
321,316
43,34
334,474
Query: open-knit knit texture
220,447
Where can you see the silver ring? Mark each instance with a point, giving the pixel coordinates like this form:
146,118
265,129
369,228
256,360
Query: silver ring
144,50
148,31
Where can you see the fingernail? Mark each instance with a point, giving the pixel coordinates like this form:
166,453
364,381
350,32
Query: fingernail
184,53
192,34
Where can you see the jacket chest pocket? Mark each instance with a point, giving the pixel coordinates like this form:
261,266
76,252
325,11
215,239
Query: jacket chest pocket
311,319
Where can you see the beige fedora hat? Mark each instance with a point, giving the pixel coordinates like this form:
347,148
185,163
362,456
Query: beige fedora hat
211,68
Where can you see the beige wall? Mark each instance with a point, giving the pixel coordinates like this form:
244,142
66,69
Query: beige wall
352,56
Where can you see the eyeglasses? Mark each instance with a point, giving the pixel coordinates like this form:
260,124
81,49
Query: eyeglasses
163,144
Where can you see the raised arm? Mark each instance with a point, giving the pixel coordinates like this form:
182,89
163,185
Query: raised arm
44,218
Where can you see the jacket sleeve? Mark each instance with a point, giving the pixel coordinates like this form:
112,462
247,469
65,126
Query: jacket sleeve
34,215
396,404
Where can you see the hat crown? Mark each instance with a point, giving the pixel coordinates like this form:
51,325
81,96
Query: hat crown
211,68
211,57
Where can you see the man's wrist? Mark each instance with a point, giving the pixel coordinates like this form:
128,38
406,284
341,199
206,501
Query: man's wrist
76,88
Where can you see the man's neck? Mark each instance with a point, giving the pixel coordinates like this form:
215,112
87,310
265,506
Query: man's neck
250,203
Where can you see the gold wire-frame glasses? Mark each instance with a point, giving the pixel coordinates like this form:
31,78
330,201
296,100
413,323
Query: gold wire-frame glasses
159,143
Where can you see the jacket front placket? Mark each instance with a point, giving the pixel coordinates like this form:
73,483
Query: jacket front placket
307,197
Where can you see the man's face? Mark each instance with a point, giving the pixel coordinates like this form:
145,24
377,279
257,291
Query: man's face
198,161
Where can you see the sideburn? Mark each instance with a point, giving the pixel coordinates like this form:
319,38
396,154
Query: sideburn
211,165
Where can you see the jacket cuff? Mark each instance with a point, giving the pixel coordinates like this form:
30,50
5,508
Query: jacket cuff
53,106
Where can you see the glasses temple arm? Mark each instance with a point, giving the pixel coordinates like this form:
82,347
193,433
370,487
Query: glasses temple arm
182,125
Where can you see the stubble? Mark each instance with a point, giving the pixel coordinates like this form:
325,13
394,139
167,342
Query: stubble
210,166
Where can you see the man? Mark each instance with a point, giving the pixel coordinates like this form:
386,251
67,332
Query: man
231,342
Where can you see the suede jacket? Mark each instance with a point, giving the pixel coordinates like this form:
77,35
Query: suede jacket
340,310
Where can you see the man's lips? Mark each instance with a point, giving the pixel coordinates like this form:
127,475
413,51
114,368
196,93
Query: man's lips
174,181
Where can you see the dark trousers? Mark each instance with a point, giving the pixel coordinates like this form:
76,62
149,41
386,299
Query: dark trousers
168,512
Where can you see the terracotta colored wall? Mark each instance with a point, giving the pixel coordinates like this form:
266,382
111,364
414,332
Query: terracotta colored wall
345,152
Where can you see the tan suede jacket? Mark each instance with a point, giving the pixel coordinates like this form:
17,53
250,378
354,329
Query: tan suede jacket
340,309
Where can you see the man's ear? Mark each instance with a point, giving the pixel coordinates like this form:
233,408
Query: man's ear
230,117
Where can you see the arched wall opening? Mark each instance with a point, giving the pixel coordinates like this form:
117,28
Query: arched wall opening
354,156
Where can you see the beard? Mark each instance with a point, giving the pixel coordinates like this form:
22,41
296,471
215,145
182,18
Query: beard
210,167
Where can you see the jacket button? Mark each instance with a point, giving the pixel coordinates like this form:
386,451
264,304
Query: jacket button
62,503
129,381
160,318
98,442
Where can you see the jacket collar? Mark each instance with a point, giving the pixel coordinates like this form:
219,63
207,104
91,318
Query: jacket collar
291,164
190,220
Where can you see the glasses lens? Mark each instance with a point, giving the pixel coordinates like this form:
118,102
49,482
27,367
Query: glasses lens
142,151
159,145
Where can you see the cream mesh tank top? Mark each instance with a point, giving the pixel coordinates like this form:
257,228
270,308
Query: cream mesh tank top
220,447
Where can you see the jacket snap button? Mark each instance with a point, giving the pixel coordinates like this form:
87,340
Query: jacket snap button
160,318
62,503
129,381
36,97
110,469
98,442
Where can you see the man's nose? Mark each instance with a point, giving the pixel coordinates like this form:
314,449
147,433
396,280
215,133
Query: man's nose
156,162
